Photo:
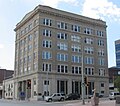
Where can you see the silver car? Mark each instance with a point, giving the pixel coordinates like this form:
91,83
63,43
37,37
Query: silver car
55,97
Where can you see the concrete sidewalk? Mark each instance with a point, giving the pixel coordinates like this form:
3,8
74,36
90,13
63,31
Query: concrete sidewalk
102,103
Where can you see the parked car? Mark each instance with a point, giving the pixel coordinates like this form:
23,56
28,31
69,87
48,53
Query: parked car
55,97
112,95
73,96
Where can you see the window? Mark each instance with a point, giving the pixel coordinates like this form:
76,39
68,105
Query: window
101,52
36,22
47,22
102,84
100,42
29,58
101,61
62,36
47,67
46,82
62,46
76,58
62,68
29,47
75,38
46,55
100,33
101,71
89,50
29,68
76,48
89,60
62,25
35,34
34,55
88,40
62,57
29,37
47,32
89,70
35,65
30,27
76,69
47,43
88,31
76,28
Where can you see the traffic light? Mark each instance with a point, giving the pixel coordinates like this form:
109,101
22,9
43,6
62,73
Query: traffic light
85,79
29,84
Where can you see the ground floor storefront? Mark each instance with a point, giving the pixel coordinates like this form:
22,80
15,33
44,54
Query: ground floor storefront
36,85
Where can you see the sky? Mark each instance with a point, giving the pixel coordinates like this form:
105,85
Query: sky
12,11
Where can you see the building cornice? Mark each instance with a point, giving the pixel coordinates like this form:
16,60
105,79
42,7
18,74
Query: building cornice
59,13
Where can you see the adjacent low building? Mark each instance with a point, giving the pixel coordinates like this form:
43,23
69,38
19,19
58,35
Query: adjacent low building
4,74
51,49
113,73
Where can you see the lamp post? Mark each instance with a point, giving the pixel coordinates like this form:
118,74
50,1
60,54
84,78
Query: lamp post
47,81
83,84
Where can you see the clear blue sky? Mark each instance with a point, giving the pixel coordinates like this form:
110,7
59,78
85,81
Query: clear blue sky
12,11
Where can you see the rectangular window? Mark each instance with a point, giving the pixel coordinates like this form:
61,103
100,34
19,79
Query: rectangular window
47,22
62,57
47,67
76,48
88,40
102,84
76,59
76,28
89,50
62,68
46,55
47,32
76,69
101,52
62,46
47,43
100,42
89,60
88,31
101,71
75,38
46,82
100,33
62,36
101,61
62,25
89,70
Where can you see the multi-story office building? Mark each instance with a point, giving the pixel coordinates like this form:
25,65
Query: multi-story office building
49,47
117,50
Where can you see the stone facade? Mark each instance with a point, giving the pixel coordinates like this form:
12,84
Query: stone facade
49,47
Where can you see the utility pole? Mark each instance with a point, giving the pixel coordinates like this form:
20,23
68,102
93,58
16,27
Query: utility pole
47,80
83,84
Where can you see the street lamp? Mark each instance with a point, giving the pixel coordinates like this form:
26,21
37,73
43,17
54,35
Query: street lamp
47,81
83,85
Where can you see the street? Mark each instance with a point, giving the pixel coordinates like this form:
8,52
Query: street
3,102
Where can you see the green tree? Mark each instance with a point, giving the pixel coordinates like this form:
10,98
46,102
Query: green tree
117,83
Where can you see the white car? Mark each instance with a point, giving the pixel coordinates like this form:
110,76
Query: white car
113,95
55,97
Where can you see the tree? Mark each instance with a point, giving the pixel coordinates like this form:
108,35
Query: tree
117,83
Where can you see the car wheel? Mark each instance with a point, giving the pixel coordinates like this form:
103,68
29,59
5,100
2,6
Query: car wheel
62,99
50,100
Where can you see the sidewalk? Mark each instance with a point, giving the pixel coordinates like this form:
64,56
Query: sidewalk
102,103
